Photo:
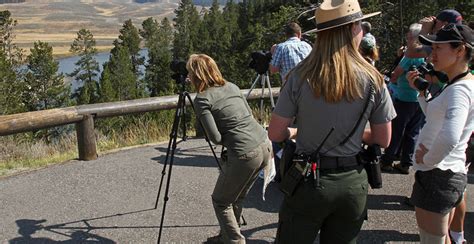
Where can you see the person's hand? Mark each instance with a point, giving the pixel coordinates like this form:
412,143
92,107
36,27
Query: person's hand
411,77
273,48
401,51
292,132
427,24
420,153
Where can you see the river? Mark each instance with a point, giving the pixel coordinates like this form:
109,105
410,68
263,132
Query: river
67,65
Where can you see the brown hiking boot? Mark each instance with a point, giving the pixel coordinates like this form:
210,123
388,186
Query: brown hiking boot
386,167
402,168
215,240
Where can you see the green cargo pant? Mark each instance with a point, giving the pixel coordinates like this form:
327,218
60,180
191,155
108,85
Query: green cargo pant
337,209
237,177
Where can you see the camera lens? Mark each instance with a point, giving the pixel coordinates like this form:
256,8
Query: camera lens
421,84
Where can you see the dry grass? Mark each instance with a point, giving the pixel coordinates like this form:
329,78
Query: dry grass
19,154
57,22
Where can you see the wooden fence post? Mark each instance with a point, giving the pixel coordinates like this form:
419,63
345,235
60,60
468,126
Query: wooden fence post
86,141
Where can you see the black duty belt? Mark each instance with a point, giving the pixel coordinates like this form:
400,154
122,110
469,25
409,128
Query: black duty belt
338,162
332,162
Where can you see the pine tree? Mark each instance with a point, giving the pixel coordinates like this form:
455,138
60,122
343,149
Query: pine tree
10,88
11,57
45,88
106,91
186,34
158,41
122,77
13,53
213,40
149,30
130,38
87,68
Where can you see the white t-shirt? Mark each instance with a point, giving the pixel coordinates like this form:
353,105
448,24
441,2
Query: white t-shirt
449,125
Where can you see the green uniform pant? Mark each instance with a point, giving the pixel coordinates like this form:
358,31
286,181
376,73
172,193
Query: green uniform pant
337,209
237,177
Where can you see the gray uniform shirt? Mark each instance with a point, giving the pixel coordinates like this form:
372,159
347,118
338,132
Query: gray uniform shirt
315,117
227,118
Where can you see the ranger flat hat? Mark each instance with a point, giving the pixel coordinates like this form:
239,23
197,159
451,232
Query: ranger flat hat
334,13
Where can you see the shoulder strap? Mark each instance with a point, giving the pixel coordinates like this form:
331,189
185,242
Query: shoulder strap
366,105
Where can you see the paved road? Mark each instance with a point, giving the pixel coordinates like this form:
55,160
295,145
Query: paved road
111,200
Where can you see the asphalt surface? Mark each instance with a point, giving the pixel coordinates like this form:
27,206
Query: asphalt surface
112,200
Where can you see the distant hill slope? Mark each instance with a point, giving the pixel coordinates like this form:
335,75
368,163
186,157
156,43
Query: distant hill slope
57,22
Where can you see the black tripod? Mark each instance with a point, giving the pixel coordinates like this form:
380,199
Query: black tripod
179,117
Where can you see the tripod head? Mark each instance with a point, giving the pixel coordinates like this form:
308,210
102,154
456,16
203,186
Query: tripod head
260,61
180,71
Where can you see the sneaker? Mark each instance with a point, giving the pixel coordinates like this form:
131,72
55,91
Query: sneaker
408,202
386,167
214,240
402,168
453,242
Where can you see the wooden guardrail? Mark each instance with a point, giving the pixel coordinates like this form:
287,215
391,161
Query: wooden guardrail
83,116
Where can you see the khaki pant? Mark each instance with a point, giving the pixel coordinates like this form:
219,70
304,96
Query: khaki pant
237,177
337,209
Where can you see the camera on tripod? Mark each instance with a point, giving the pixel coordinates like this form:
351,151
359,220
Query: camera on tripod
260,61
180,71
424,69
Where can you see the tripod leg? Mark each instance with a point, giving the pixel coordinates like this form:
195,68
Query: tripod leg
205,133
173,135
183,121
272,102
253,86
167,188
262,83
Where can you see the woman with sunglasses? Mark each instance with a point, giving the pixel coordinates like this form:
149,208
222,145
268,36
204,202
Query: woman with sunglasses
441,175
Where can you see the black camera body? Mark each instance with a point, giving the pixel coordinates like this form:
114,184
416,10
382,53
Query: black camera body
260,61
424,69
180,71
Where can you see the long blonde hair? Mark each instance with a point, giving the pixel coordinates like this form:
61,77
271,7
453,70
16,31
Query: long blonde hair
335,69
204,72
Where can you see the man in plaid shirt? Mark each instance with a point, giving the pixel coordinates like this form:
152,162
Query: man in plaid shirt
286,55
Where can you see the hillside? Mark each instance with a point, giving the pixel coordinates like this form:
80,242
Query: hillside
57,22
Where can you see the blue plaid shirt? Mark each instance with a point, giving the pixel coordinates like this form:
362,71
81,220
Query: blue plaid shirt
289,53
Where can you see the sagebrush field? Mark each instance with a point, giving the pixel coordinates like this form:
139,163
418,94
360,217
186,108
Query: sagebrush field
57,22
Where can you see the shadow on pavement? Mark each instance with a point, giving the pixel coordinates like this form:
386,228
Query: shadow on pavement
388,202
188,157
28,227
248,232
383,236
273,197
78,234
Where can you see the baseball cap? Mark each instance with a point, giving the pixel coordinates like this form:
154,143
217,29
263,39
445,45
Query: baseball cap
367,43
450,16
450,33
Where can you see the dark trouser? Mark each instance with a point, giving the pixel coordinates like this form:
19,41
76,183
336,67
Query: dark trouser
237,177
337,208
405,129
